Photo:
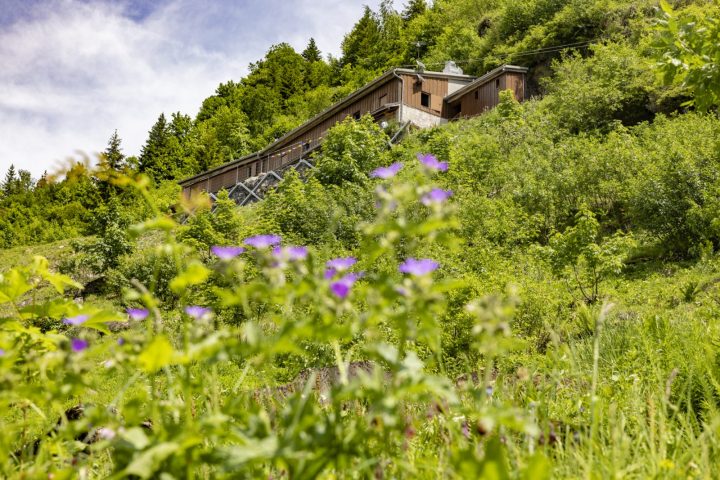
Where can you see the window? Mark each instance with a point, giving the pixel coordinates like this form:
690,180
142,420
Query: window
306,145
425,99
249,171
497,83
476,94
356,115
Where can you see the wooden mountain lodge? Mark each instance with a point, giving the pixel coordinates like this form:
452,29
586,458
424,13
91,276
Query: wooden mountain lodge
410,97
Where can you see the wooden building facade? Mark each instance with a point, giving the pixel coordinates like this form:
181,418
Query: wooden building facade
422,98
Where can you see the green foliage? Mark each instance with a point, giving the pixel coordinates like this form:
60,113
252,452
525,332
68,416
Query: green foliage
351,150
302,210
579,256
573,390
312,52
219,226
613,84
687,52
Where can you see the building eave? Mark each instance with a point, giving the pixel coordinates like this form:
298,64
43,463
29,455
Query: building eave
319,118
492,74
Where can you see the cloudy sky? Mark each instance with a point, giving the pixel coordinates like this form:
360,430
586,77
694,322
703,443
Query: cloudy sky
73,71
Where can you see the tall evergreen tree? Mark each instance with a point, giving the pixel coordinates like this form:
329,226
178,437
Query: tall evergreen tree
360,44
312,52
153,155
112,162
10,181
414,8
113,156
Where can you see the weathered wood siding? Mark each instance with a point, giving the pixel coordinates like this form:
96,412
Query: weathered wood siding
293,148
414,88
487,95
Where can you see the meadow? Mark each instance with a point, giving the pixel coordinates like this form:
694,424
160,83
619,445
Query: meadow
532,293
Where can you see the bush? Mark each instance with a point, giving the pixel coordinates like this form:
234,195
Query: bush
614,83
350,151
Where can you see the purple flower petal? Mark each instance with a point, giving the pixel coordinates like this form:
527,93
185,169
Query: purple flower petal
293,254
197,312
226,253
341,263
418,267
76,320
121,341
262,241
435,196
2,352
78,344
330,273
431,162
341,288
137,314
387,172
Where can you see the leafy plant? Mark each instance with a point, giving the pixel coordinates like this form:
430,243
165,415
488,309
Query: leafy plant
584,259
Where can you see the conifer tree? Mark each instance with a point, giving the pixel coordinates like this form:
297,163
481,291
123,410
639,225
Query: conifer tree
112,162
312,52
8,185
360,44
153,154
414,8
113,155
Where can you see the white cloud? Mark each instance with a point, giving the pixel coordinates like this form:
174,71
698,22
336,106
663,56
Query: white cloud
75,70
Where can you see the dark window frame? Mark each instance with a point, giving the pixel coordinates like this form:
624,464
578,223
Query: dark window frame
425,99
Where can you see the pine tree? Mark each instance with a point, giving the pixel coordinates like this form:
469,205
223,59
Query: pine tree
153,153
414,8
10,181
113,156
312,52
112,162
360,44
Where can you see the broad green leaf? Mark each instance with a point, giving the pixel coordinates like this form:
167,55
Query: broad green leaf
14,285
158,354
195,274
146,463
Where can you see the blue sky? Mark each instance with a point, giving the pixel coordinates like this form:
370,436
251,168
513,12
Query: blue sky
73,71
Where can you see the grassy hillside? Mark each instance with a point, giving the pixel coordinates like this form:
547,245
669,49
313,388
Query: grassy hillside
532,293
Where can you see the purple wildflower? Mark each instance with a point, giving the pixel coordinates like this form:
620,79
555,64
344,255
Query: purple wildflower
262,241
121,341
330,273
197,312
226,253
436,196
341,288
294,254
78,344
387,172
137,314
431,162
76,320
2,352
418,267
341,263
